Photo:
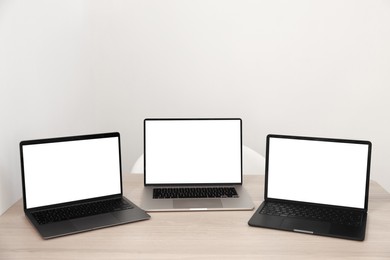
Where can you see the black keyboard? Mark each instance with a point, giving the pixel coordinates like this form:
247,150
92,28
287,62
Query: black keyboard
81,210
332,215
198,192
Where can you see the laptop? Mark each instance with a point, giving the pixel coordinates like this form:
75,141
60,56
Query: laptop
74,184
316,186
193,164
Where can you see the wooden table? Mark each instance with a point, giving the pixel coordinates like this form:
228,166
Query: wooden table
195,235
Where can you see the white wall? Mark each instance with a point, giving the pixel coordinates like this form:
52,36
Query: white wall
316,68
44,80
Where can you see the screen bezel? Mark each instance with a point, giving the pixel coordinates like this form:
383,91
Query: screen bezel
363,142
193,184
69,139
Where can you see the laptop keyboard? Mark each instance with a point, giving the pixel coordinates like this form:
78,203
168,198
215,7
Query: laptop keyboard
198,192
337,216
81,210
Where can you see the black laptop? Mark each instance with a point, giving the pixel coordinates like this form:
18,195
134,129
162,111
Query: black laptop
74,184
316,186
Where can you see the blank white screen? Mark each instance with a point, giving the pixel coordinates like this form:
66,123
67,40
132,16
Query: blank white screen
192,151
69,171
330,173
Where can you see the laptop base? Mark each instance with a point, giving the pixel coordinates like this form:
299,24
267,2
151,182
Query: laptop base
68,227
244,202
306,226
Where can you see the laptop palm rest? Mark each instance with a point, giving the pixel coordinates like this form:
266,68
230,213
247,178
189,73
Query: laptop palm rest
197,203
305,226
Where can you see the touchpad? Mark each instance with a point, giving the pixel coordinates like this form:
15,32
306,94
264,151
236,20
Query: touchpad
200,204
94,221
305,225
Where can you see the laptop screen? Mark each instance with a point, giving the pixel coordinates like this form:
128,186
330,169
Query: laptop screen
192,151
65,169
331,172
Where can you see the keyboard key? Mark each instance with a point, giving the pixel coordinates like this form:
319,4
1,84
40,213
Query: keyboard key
338,216
81,210
201,192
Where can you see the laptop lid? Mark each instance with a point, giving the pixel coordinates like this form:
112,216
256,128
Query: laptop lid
193,151
318,170
69,169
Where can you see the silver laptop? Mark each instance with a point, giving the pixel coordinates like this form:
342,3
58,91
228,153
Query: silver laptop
74,184
193,164
316,186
